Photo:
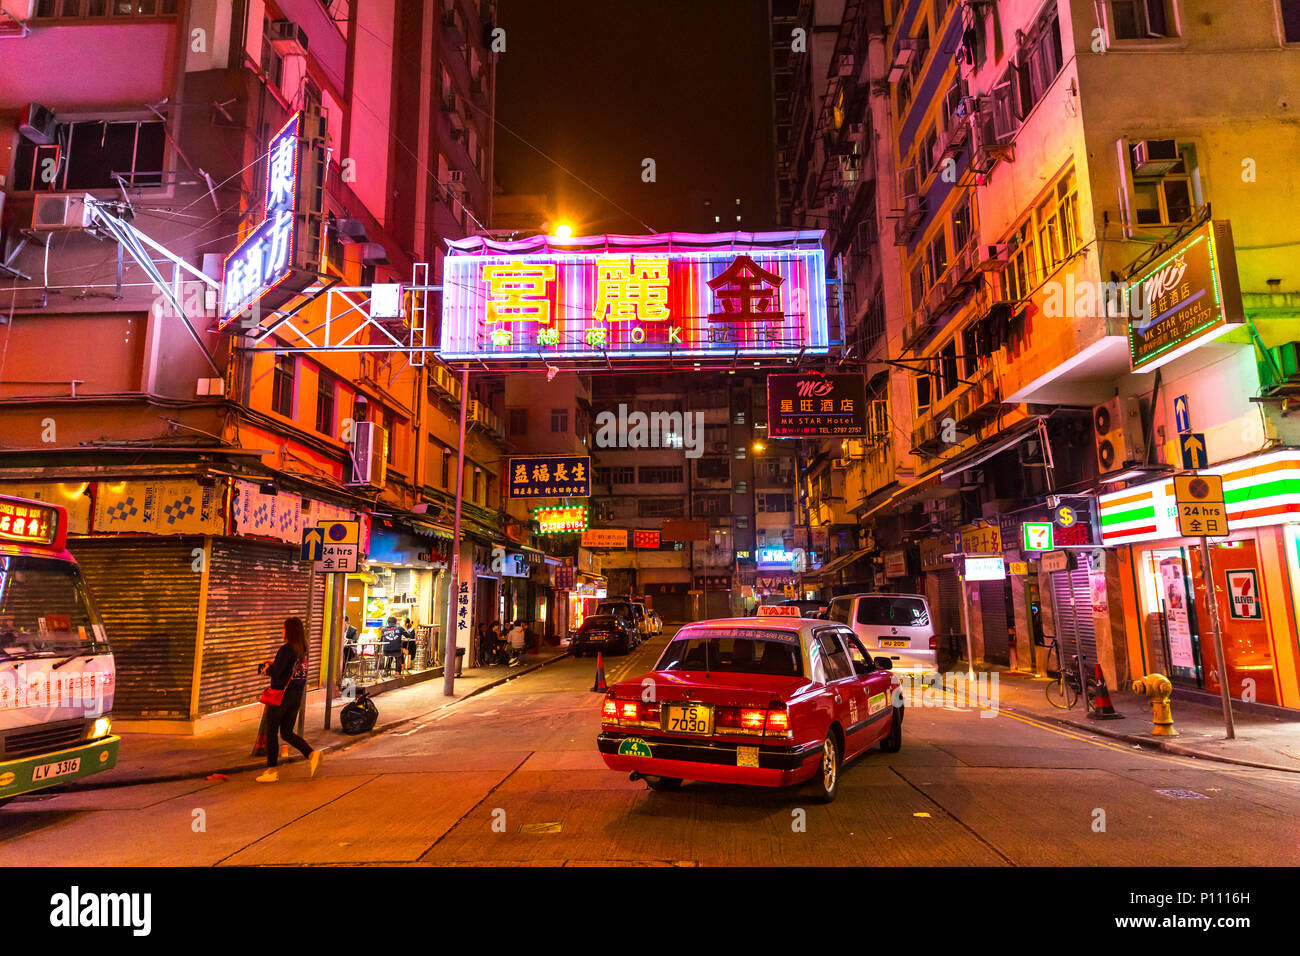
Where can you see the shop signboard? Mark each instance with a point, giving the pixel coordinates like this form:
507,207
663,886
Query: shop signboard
776,557
1185,298
179,507
1037,536
510,564
604,538
645,538
73,496
984,568
1243,595
684,529
281,256
816,405
1057,561
550,476
982,538
599,297
895,564
1070,523
561,520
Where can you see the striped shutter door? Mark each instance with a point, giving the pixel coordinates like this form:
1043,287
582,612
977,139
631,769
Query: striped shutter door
1086,638
147,592
993,616
253,586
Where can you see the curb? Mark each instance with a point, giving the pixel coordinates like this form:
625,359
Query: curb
1153,743
257,762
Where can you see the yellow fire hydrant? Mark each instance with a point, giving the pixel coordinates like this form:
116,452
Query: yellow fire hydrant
1157,689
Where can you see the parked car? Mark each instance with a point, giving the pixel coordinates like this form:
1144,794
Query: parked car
899,626
778,702
604,632
808,608
645,620
630,611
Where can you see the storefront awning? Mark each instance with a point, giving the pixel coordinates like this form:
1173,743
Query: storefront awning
1007,438
837,564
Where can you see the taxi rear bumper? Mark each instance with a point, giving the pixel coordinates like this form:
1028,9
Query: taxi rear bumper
710,761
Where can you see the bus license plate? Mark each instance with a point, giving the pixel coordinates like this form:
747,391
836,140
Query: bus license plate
62,768
893,643
691,719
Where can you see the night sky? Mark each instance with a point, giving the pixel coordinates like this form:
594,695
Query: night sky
599,85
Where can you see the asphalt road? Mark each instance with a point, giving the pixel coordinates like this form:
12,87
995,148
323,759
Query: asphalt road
513,777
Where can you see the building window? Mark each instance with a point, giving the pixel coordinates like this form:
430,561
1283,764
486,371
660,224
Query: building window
922,394
961,225
560,420
1058,223
742,521
1170,197
282,385
1018,278
739,418
478,478
709,506
659,507
774,503
390,437
947,377
716,468
936,259
87,155
742,488
517,421
325,386
1290,20
446,469
659,475
740,452
86,9
1139,19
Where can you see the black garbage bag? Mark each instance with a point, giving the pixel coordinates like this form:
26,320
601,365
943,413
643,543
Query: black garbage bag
360,715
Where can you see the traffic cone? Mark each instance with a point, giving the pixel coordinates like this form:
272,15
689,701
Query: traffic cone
1104,710
599,687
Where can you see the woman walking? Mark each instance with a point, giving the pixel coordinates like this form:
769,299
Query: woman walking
288,673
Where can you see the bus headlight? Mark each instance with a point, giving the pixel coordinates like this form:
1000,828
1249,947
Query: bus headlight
101,728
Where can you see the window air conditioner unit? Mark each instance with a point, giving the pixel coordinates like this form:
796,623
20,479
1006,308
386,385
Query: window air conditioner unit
61,212
287,38
369,455
1154,157
38,124
1117,433
350,230
374,254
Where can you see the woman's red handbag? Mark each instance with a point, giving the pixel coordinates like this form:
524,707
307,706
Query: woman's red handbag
272,697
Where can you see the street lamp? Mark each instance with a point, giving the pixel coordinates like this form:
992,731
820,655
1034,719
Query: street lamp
563,231
759,448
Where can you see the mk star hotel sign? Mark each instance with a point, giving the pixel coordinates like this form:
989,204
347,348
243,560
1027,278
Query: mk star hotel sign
675,294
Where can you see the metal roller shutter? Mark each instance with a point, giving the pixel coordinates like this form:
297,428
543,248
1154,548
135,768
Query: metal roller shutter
1062,584
993,615
949,610
252,587
147,591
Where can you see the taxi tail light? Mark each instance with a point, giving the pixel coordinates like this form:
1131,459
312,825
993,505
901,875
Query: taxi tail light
934,643
631,713
778,721
610,712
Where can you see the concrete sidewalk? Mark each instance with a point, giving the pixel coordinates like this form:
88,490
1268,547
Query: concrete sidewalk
1262,740
156,758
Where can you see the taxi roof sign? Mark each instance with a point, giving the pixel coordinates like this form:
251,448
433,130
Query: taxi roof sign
39,523
779,610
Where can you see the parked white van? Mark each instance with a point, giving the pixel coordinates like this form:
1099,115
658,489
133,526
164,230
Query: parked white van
897,626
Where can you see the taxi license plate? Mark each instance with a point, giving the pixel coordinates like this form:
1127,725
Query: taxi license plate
746,756
62,768
893,643
690,719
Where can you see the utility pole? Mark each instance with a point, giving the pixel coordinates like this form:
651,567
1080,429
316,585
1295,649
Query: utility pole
449,656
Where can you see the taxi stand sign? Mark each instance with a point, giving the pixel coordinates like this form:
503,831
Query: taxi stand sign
333,546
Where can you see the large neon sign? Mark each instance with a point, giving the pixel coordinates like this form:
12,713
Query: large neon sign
280,256
612,296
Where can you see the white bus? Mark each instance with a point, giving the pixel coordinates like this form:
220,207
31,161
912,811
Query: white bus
56,667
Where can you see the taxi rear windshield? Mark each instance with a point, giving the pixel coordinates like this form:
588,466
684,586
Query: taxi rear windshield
734,651
44,610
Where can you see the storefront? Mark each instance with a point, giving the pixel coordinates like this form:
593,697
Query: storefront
404,575
1255,572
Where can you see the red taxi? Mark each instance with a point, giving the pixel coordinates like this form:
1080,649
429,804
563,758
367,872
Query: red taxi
774,701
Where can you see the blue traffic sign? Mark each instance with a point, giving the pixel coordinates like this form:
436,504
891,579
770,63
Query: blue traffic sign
1194,454
313,543
1182,417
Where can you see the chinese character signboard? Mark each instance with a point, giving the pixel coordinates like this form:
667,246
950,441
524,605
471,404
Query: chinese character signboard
560,520
281,256
645,296
604,538
1186,297
645,539
800,406
556,476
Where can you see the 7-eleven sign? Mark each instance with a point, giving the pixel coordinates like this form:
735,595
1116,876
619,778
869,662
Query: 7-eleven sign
1243,596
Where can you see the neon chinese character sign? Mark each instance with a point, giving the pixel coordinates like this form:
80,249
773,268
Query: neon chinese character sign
600,297
276,259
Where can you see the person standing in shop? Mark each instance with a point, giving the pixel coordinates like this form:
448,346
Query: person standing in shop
349,643
408,643
391,636
288,674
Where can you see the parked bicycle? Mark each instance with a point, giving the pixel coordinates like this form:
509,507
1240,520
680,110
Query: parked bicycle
1063,692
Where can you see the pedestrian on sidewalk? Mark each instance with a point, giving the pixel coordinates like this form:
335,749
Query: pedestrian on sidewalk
288,673
517,637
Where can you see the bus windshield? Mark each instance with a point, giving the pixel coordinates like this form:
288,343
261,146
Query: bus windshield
44,610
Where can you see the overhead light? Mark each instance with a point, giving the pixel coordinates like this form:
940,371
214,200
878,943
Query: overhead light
268,488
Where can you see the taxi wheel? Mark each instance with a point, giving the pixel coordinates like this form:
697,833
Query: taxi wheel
826,782
892,742
663,784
